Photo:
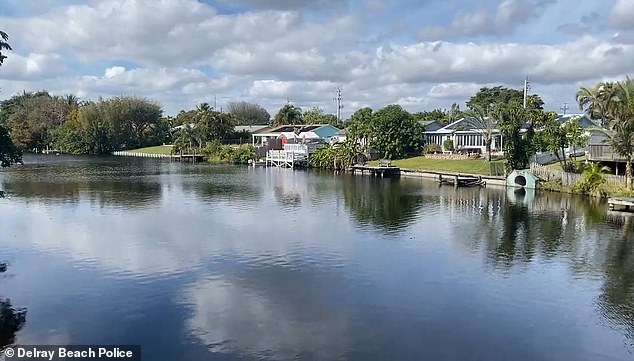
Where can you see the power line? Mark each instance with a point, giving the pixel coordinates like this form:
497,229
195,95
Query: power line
564,108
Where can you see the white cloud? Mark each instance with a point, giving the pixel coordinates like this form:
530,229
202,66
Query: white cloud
453,90
181,52
623,14
510,14
34,66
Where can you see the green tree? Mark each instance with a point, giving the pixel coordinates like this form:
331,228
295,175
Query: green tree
575,135
9,154
184,117
598,101
288,115
359,130
480,121
394,134
512,119
212,125
249,114
454,113
112,124
439,115
4,45
552,137
33,117
488,98
613,103
623,125
317,116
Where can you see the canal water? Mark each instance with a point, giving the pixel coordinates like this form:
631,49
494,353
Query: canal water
201,262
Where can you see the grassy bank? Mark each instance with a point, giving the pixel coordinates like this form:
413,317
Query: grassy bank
159,149
474,166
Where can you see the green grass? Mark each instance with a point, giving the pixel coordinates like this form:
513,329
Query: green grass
474,166
159,149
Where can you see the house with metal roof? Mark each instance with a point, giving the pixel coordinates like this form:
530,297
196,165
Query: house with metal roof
295,133
467,133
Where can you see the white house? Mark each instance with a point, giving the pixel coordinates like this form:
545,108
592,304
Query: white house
465,133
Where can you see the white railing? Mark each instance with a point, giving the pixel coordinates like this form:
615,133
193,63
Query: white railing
142,155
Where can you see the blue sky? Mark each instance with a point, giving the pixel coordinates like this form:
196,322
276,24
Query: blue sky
420,54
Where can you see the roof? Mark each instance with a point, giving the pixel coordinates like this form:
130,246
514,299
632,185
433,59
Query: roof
462,124
307,135
249,128
430,125
584,120
298,127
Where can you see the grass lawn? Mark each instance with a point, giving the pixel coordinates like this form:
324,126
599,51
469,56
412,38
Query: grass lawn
159,149
475,166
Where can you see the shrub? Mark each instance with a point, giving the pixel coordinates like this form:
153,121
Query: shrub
592,180
431,149
448,145
332,157
218,153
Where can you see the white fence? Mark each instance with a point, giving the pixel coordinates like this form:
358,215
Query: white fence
566,178
142,155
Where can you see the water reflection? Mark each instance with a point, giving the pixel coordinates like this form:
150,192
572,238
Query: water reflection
617,299
292,264
270,313
389,204
11,321
102,181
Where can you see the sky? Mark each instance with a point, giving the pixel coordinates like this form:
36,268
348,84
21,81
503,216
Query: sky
421,54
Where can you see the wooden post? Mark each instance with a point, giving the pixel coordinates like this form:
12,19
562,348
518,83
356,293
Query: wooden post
456,179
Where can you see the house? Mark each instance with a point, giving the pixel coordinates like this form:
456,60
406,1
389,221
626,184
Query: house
465,134
294,133
338,138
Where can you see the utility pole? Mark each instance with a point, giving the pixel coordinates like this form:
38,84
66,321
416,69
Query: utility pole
215,102
564,108
526,87
337,100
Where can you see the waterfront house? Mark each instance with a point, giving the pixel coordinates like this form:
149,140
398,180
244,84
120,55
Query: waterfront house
294,133
467,134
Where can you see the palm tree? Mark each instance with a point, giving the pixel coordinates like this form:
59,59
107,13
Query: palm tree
479,120
4,45
622,115
598,101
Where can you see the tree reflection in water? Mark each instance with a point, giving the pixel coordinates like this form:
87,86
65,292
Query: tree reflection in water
11,320
390,204
617,299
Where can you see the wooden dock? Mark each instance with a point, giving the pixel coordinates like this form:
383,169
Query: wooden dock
621,204
461,181
380,171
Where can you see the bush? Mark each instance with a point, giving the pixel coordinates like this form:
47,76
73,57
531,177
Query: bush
592,181
448,145
431,149
332,157
218,153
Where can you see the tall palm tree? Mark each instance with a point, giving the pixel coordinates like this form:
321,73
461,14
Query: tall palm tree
4,45
598,101
485,124
622,113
